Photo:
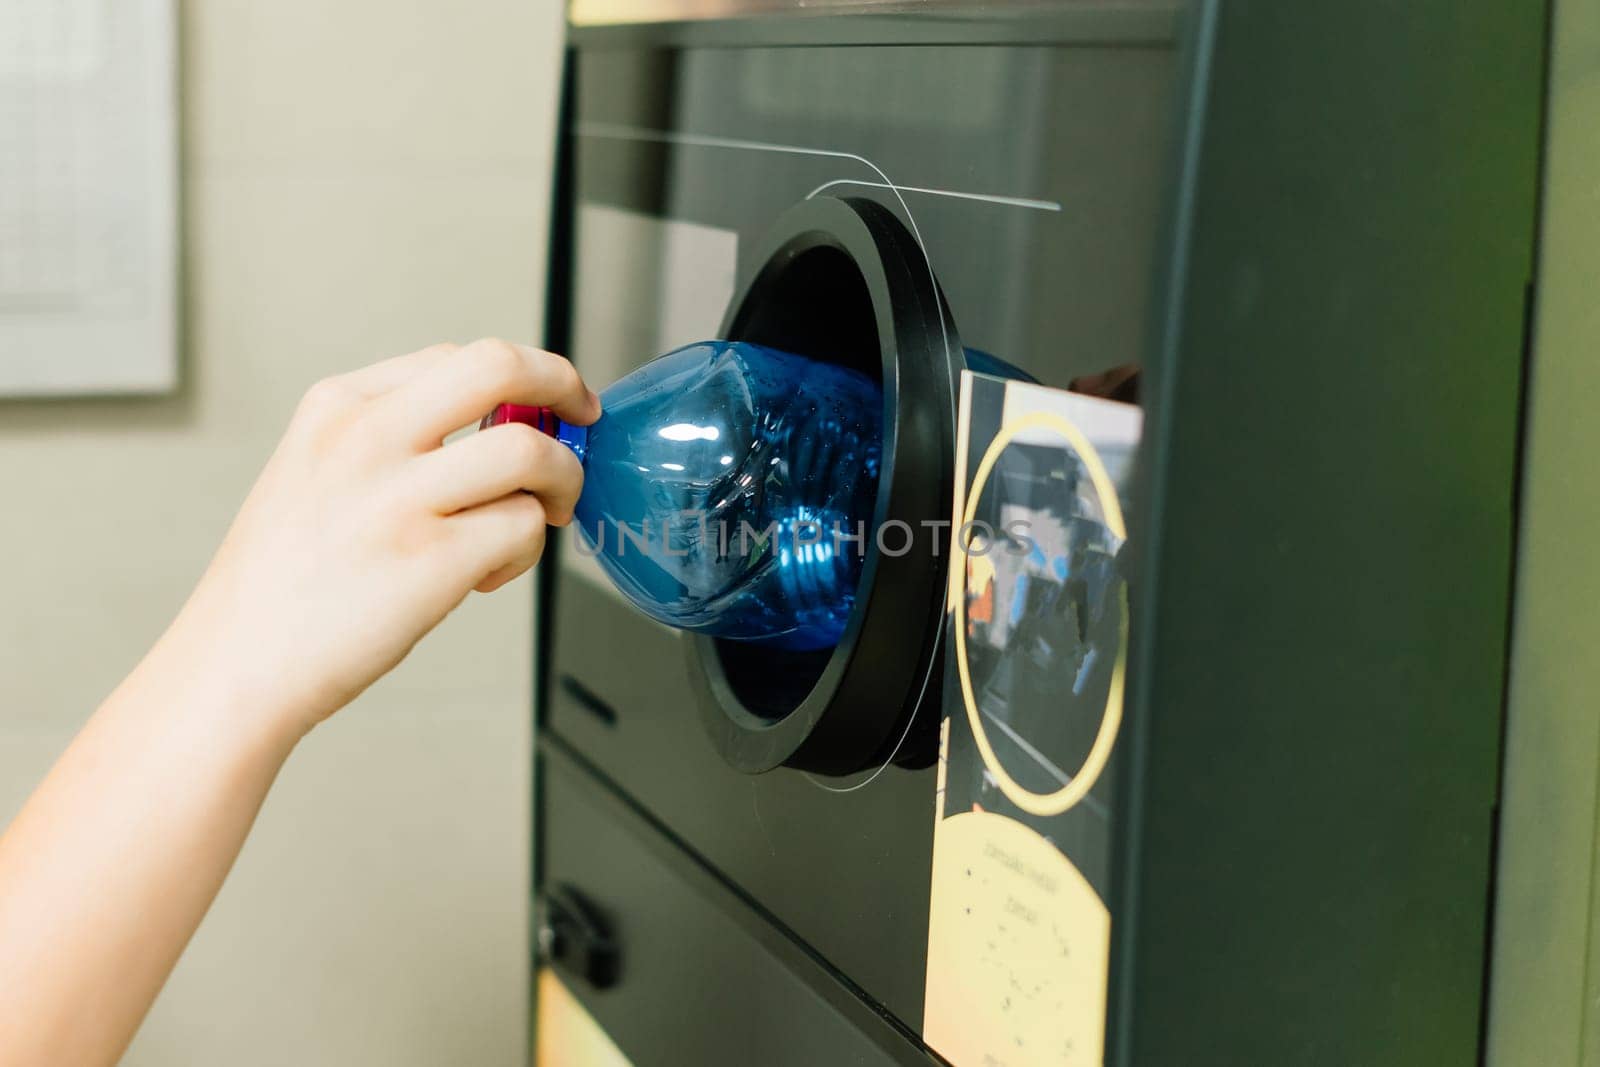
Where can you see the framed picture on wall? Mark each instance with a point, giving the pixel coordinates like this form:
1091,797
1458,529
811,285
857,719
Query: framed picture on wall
88,197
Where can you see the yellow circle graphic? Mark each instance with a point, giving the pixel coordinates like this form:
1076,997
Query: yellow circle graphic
1111,719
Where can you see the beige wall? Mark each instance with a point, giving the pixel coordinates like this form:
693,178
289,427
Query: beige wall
361,178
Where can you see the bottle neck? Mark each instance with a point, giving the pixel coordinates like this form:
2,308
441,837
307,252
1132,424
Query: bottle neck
545,421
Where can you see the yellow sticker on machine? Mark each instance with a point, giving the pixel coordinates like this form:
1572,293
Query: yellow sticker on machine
565,1034
1018,946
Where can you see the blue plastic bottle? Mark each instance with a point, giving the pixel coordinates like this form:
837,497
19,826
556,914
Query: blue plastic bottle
729,489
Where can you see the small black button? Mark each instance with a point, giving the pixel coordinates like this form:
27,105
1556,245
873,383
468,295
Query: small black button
576,937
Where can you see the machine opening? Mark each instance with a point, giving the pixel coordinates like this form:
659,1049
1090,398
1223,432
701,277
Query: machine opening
817,305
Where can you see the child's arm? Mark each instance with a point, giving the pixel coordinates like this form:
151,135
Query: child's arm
362,533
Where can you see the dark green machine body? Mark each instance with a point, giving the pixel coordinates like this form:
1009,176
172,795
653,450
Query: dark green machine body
1323,529
1324,616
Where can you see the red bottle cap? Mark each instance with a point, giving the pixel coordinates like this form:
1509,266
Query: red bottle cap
540,418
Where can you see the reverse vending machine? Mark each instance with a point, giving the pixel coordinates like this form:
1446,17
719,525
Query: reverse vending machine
1167,723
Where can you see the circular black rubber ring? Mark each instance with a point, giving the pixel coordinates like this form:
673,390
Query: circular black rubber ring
841,709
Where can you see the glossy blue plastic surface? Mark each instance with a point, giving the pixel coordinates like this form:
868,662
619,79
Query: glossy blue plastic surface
729,489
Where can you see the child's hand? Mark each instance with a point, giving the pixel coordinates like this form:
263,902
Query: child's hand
364,530
362,533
